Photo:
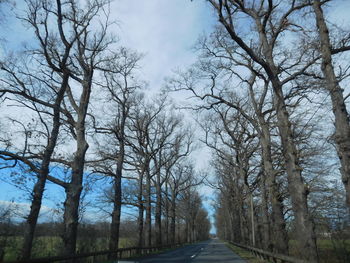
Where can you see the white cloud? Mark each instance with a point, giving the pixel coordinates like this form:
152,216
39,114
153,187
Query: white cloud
20,210
163,30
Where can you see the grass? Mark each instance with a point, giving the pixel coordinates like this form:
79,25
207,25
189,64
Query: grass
138,256
330,251
245,254
47,246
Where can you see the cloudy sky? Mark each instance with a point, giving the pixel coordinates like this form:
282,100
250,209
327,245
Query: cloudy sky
163,30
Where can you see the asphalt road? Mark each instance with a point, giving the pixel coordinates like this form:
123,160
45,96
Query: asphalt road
203,252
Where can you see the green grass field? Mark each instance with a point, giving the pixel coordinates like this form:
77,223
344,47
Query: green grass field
330,251
51,246
244,254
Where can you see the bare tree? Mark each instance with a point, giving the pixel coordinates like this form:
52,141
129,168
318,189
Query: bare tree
89,53
143,142
342,125
269,22
181,178
174,144
42,91
122,86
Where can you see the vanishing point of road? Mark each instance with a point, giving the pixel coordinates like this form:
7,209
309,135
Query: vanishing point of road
202,252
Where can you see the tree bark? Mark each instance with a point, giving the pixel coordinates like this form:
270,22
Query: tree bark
140,216
115,224
73,192
148,221
266,228
305,233
166,227
74,189
39,188
279,242
280,237
172,217
341,120
71,212
158,215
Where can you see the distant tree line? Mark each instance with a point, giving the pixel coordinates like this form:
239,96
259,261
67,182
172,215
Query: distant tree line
81,116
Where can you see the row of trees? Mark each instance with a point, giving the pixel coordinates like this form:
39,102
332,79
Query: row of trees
83,118
264,82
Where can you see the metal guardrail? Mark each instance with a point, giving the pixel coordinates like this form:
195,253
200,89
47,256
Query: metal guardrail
262,254
114,254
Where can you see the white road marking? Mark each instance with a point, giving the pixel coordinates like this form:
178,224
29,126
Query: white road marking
194,255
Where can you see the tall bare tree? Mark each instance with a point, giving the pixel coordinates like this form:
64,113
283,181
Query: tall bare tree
121,85
43,91
341,121
174,144
89,52
269,22
143,141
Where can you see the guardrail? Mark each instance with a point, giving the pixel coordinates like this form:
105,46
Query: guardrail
262,254
92,257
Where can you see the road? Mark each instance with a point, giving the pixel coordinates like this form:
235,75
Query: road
203,252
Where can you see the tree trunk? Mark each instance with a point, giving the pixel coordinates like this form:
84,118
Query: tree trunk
73,192
172,218
186,231
74,189
252,219
158,216
148,221
305,233
178,231
280,237
341,120
243,223
166,227
193,231
38,190
140,216
235,225
71,214
31,221
117,202
266,228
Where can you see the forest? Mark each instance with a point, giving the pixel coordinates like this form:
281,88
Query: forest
267,96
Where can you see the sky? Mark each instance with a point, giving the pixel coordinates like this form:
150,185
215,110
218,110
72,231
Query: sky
164,31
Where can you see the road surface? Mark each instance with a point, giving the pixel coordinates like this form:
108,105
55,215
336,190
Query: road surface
203,252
